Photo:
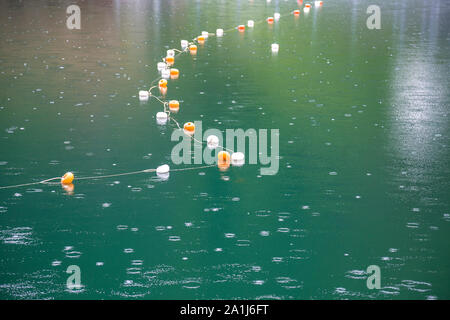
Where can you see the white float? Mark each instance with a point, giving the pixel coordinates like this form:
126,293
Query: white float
143,95
161,118
237,159
161,66
212,141
184,44
171,53
276,16
219,32
250,23
318,3
163,172
205,34
165,73
163,169
275,47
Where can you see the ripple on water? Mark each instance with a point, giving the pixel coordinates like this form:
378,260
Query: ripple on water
229,235
417,286
192,283
243,243
356,274
18,235
3,210
288,283
133,270
128,250
174,238
122,227
73,254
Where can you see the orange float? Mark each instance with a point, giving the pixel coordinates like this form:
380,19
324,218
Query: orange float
296,12
174,105
223,160
270,19
162,83
189,128
241,28
201,39
67,178
170,60
193,49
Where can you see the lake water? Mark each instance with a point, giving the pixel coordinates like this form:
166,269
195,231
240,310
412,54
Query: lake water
363,173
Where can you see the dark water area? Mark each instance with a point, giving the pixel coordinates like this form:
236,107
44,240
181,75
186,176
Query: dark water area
364,155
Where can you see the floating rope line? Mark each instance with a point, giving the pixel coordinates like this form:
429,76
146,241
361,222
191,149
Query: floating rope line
48,181
68,177
179,52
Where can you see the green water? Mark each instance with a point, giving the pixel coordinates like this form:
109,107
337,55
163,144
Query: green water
364,156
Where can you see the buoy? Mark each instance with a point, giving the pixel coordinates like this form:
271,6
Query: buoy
250,23
193,49
201,39
275,47
163,172
189,128
161,117
184,44
67,178
219,32
163,169
170,60
143,95
318,3
165,73
306,9
162,83
223,156
270,19
174,105
307,5
161,66
223,160
237,159
276,16
241,27
171,53
296,12
212,142
174,72
205,34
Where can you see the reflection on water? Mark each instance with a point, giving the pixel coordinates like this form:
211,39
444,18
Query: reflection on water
363,180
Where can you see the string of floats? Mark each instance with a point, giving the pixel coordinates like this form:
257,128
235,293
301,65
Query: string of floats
173,105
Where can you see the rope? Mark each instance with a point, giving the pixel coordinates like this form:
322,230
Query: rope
164,103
